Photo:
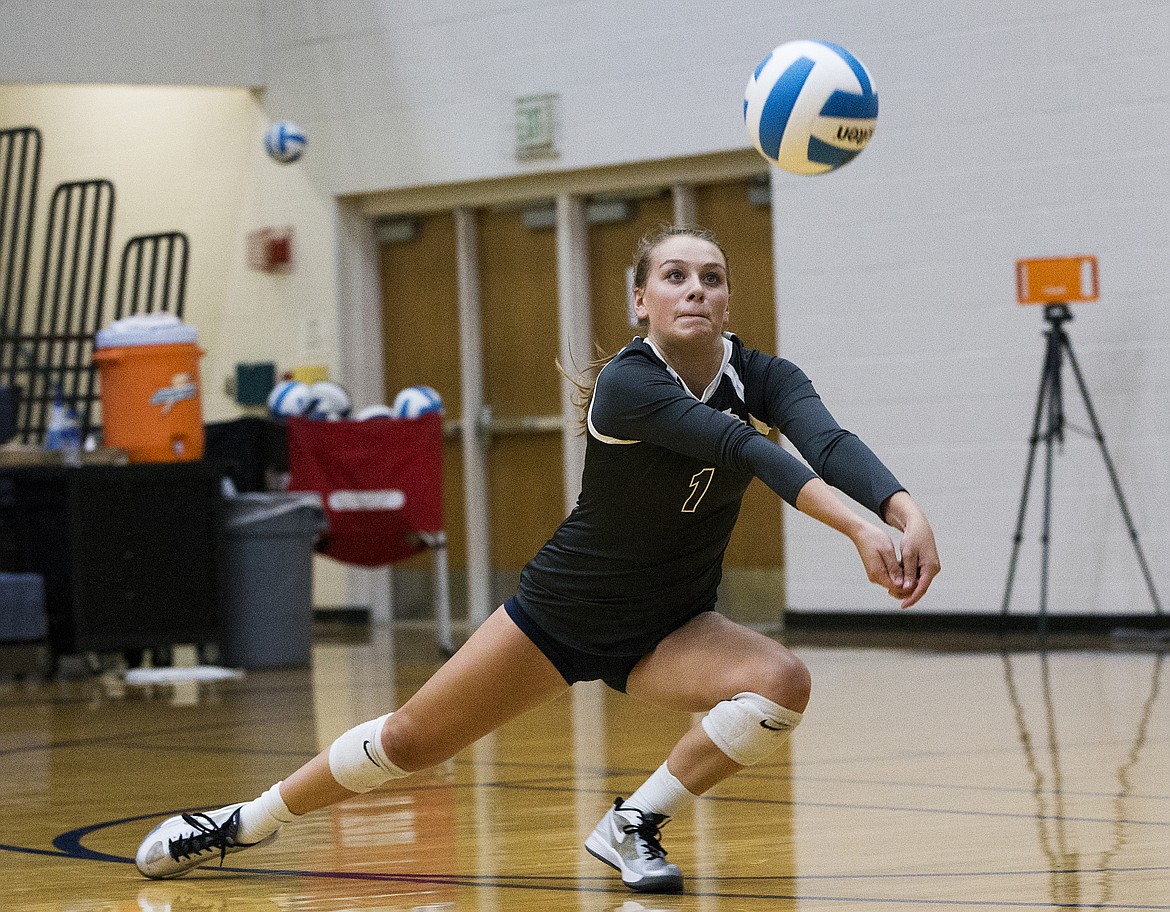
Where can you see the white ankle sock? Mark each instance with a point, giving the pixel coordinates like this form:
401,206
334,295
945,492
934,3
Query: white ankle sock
662,793
264,816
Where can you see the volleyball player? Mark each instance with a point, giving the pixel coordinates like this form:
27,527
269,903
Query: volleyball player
625,589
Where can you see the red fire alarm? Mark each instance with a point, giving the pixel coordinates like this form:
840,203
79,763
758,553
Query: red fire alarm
270,249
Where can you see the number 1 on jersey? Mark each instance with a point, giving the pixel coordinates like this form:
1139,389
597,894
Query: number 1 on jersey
700,482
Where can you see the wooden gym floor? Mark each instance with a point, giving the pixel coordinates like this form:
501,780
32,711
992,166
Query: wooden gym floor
921,779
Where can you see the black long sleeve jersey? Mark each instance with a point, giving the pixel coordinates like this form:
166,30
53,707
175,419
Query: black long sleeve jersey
665,473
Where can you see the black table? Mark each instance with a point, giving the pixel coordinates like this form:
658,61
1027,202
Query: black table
129,554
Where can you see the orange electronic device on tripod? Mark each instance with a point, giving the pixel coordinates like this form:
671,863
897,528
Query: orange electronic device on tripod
1056,280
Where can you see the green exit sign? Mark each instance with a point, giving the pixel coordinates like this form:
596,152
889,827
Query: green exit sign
536,126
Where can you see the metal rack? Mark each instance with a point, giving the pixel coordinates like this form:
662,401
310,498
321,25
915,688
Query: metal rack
52,348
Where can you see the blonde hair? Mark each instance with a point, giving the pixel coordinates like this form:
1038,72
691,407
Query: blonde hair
647,244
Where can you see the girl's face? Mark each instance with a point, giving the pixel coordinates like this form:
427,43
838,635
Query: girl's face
686,298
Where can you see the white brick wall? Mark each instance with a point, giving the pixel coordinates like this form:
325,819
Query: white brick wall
1024,134
1007,130
193,42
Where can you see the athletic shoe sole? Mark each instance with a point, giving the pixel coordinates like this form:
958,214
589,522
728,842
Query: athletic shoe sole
604,853
138,861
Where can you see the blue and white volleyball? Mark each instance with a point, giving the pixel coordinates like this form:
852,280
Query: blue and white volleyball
378,410
289,398
285,142
328,401
810,107
415,401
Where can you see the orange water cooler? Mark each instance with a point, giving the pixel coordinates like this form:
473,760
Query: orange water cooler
149,368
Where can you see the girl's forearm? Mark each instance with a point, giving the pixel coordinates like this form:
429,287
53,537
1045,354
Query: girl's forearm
816,499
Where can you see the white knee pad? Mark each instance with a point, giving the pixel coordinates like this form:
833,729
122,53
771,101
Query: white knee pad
357,759
748,727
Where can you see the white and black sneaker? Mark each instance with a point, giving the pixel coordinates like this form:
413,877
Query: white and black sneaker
180,844
630,840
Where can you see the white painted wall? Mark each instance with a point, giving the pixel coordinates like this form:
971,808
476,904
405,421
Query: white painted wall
1006,131
194,163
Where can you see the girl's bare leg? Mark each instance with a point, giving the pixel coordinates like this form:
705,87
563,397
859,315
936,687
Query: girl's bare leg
496,675
706,661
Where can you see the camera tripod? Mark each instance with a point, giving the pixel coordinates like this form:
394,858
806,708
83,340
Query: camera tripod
1048,427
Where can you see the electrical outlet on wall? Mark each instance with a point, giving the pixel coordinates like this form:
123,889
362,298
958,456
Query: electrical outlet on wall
311,335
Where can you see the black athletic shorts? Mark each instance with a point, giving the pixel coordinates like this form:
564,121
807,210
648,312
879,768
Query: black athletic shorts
575,664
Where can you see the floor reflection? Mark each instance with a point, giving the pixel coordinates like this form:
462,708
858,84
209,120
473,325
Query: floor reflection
919,779
1081,872
353,682
181,896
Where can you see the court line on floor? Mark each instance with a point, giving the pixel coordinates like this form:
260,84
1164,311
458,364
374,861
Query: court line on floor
192,729
65,700
731,799
822,762
1013,789
119,738
546,784
870,760
506,882
78,852
608,772
803,803
69,845
33,703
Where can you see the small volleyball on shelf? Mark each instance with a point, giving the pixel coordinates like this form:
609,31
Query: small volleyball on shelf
328,401
415,401
288,399
377,410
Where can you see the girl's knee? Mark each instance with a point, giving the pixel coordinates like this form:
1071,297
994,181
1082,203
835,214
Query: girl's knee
406,744
781,677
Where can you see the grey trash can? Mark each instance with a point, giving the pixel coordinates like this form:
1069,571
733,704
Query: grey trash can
22,607
266,579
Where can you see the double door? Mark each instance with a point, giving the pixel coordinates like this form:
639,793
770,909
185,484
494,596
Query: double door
518,296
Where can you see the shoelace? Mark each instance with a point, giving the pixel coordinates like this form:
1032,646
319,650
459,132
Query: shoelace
209,835
650,830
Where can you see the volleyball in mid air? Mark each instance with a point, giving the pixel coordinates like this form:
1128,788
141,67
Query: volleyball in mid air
284,142
810,107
